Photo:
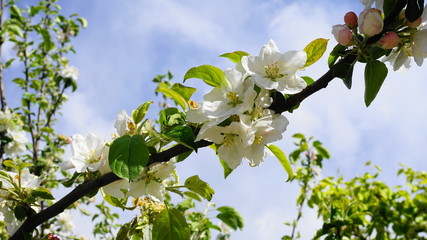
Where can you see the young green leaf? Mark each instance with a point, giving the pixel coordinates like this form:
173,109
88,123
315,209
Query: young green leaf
375,74
170,224
195,184
231,217
315,50
139,113
308,80
184,91
333,56
168,92
82,21
321,150
128,156
42,193
227,169
211,75
183,135
282,159
235,56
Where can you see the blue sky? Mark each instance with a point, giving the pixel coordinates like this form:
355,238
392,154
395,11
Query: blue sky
127,43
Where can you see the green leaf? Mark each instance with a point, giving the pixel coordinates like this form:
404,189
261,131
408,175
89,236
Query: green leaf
211,75
195,184
315,50
19,213
170,224
282,159
344,71
48,44
116,202
321,150
170,117
231,217
82,22
375,74
42,193
193,196
414,9
308,80
128,156
388,5
168,92
70,181
139,113
15,29
333,56
183,135
186,204
15,12
184,91
299,136
227,169
235,56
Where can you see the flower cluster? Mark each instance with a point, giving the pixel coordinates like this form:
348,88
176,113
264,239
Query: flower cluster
11,124
403,40
235,115
90,154
12,186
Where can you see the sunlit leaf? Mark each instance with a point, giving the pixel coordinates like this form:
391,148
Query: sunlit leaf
315,50
211,75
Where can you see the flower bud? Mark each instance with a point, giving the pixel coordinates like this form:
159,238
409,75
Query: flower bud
370,22
390,40
350,19
342,34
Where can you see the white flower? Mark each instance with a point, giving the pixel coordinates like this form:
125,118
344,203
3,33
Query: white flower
274,70
232,138
265,130
6,120
150,183
70,72
124,123
117,189
419,46
88,153
65,219
235,96
18,144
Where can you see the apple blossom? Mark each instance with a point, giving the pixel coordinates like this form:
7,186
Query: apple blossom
342,34
18,143
235,96
389,40
124,124
399,59
88,153
274,70
232,140
70,72
350,19
150,181
6,120
264,130
370,22
419,46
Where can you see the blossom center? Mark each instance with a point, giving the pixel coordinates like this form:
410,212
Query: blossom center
272,71
92,157
234,99
228,140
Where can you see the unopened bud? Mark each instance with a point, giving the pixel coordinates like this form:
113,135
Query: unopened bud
342,34
390,40
370,22
350,19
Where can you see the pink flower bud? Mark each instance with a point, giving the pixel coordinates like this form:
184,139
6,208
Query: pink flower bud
370,22
390,40
350,19
342,34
